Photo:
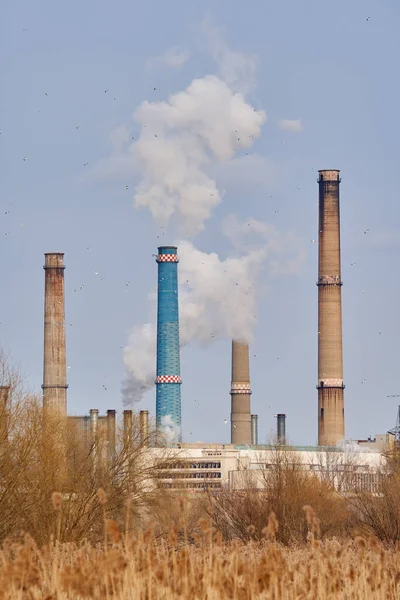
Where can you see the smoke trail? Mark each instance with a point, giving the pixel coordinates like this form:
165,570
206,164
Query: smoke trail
179,139
217,297
140,365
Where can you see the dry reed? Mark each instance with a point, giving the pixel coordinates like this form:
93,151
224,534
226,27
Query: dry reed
142,567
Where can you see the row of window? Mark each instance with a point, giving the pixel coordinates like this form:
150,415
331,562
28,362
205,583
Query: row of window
192,465
193,485
198,475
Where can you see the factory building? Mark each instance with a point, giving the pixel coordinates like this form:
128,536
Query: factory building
229,467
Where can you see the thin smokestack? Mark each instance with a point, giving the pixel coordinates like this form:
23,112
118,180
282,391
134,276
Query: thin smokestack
144,427
281,429
127,428
240,394
254,430
330,362
111,436
4,414
54,364
94,420
168,380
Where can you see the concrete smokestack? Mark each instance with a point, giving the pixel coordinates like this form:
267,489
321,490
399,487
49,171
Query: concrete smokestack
127,428
168,380
54,364
254,430
111,436
144,427
240,395
4,414
94,420
330,362
281,429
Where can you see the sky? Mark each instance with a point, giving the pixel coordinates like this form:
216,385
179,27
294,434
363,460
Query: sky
314,86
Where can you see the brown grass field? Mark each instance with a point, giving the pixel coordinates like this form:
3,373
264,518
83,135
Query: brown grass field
145,567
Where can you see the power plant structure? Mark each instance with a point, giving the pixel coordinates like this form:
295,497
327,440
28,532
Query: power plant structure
254,430
330,358
201,465
168,379
281,429
241,430
55,362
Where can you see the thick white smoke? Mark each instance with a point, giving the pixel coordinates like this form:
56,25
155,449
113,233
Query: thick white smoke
179,139
180,142
217,297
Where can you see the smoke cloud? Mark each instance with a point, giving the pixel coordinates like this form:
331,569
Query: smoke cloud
180,143
217,297
179,139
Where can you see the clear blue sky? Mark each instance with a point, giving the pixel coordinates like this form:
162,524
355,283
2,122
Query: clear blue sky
334,66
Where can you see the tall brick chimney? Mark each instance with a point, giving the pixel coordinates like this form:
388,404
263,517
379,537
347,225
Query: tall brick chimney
240,394
54,364
330,362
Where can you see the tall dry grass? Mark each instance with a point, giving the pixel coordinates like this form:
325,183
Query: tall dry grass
141,566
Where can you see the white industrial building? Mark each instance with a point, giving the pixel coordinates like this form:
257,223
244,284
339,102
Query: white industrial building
229,467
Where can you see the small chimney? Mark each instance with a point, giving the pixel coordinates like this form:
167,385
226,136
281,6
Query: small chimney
94,420
144,427
4,415
281,429
240,395
111,436
54,363
127,428
254,430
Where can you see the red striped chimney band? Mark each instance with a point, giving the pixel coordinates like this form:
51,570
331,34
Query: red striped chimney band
167,258
240,388
168,379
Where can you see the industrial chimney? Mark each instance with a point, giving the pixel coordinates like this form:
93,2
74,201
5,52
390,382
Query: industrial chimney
281,429
254,430
168,380
111,436
240,395
330,363
144,427
54,364
128,429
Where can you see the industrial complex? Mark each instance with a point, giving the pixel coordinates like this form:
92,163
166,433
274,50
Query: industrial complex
243,461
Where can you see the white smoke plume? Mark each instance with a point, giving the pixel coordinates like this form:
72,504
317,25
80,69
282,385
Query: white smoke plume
170,430
179,140
140,363
217,297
